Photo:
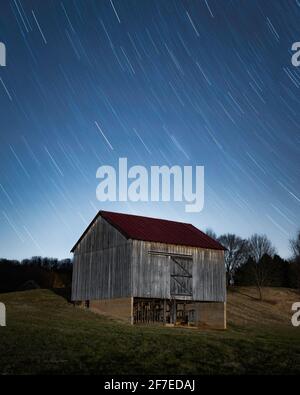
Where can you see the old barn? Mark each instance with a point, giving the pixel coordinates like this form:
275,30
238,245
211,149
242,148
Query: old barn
148,270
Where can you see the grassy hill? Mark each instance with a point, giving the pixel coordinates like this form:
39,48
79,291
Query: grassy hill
45,334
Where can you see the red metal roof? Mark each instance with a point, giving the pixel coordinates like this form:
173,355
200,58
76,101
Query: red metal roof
157,230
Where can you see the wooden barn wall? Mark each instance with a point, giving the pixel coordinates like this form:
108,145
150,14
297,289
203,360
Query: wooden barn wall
151,273
101,266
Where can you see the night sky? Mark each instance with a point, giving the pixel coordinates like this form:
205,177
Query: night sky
194,82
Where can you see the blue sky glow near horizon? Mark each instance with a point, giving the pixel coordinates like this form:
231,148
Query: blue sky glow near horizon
196,82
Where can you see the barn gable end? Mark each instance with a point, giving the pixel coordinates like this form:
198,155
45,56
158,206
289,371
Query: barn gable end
101,265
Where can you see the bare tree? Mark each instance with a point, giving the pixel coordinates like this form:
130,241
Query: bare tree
260,246
211,233
295,245
236,253
295,262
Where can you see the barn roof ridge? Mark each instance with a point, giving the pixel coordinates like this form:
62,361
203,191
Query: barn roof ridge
152,229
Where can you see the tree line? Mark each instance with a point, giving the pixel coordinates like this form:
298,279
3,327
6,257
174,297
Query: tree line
36,272
255,262
248,262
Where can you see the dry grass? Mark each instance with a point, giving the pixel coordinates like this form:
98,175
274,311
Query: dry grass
245,309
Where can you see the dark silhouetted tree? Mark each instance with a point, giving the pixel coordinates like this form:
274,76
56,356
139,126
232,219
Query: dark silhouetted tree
235,255
295,263
211,233
295,245
261,251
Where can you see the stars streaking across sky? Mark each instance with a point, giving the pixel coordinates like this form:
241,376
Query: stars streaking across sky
202,82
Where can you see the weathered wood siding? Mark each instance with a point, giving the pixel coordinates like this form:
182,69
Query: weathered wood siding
151,273
101,265
107,265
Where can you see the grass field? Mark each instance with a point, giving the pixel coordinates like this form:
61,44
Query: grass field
46,335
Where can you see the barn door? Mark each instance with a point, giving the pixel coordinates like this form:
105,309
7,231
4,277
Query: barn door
181,276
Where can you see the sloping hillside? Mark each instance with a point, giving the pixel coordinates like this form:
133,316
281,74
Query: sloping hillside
45,334
244,309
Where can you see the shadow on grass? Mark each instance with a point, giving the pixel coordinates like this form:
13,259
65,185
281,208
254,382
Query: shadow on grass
235,290
63,292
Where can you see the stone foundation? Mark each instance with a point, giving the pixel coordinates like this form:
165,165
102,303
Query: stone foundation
211,315
202,314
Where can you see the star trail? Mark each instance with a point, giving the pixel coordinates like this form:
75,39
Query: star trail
160,82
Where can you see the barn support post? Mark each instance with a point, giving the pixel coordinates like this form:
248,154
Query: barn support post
165,311
173,314
132,311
